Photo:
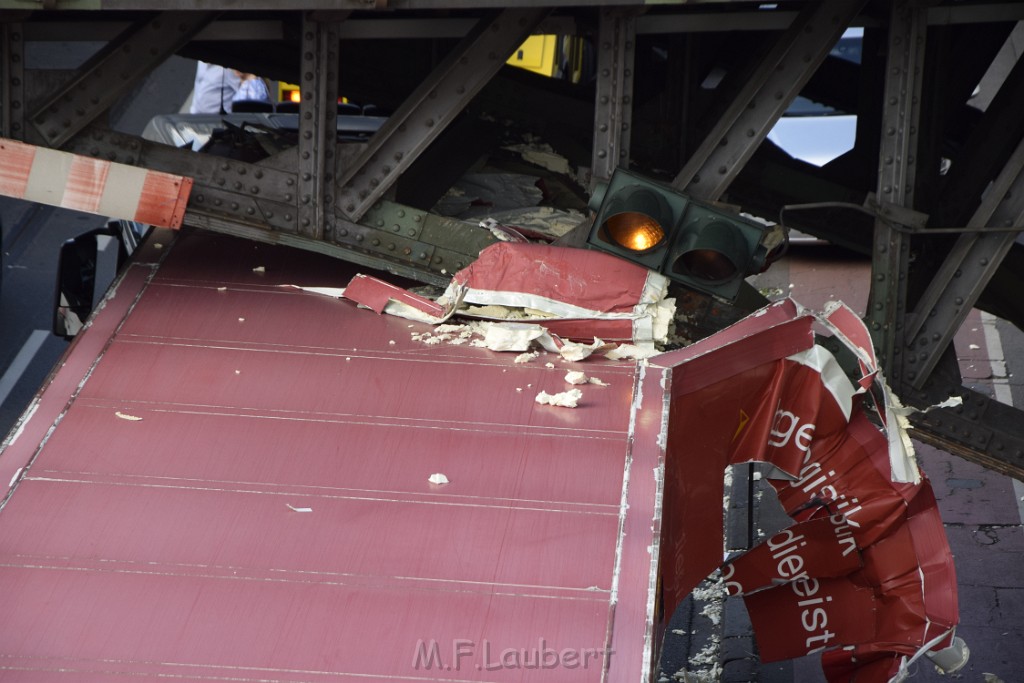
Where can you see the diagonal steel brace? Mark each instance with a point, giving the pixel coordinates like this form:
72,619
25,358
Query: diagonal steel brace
432,107
778,79
966,271
114,71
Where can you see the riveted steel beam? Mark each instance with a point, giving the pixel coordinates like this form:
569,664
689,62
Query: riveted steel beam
12,87
966,271
437,248
982,430
430,247
114,71
254,194
318,120
777,80
217,224
432,106
613,105
260,201
896,178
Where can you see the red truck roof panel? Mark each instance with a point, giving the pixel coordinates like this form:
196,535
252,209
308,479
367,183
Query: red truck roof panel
238,490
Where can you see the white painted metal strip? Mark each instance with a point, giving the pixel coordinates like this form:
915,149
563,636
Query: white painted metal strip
48,177
124,188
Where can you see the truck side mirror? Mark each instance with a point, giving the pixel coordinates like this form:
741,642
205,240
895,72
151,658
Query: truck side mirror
87,266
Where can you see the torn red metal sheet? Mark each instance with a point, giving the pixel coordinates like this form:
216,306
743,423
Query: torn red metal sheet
375,294
557,277
830,552
866,564
95,186
574,294
571,287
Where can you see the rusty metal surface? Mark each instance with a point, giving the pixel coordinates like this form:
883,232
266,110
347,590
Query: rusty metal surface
178,545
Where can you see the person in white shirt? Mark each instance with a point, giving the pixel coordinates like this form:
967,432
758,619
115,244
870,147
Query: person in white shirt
214,89
252,87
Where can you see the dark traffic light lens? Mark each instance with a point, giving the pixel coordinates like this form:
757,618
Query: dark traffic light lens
706,264
634,231
711,251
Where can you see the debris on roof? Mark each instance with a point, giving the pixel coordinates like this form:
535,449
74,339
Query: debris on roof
564,399
571,301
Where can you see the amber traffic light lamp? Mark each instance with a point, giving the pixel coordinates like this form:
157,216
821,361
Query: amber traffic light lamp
696,244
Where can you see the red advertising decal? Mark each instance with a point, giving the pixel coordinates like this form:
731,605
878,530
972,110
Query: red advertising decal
822,547
812,614
865,567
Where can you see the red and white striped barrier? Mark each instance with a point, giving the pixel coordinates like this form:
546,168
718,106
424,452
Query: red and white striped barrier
92,185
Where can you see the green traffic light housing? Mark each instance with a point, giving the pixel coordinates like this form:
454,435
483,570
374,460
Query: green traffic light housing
696,244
